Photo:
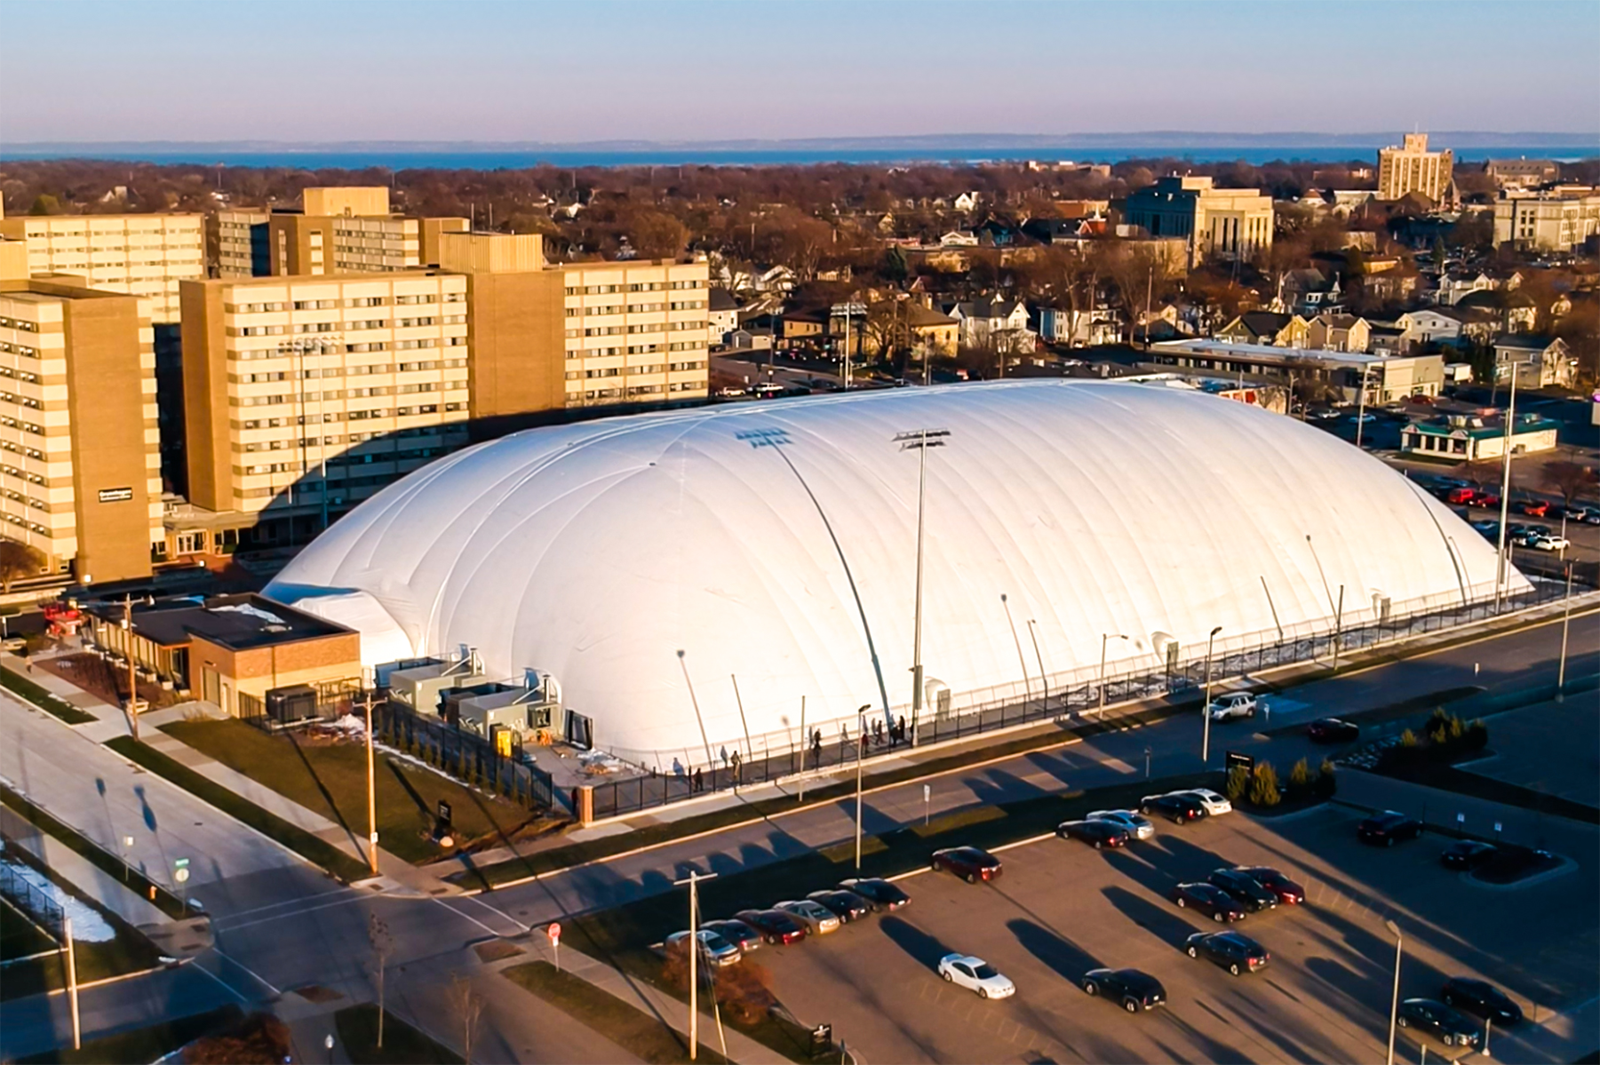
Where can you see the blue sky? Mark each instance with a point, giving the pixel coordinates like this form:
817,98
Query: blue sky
564,72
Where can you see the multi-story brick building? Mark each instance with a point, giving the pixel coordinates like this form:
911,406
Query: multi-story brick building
145,255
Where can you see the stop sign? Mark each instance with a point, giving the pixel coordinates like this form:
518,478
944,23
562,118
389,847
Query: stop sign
554,931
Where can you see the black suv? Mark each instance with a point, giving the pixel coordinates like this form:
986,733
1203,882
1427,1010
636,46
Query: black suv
1134,989
1234,951
1179,809
1481,998
1383,829
1451,1027
1468,854
1245,889
882,894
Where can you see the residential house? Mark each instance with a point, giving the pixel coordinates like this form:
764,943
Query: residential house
967,202
1542,362
1522,173
1444,325
1266,327
1339,332
1310,292
1079,329
803,325
959,238
925,327
1514,312
1002,324
722,315
1455,284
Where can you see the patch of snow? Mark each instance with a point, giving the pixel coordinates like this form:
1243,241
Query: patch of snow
88,926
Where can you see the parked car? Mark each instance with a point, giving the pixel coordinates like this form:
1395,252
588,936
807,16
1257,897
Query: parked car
1333,730
1137,825
738,933
1134,989
1481,999
882,894
1244,889
1232,706
1178,808
1430,1016
1096,833
975,974
714,948
1209,900
816,917
1460,494
1383,829
1234,951
972,864
1214,804
1468,854
845,905
1289,893
775,926
1534,508
1550,543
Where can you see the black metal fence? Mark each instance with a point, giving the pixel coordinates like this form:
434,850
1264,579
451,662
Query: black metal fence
834,745
464,755
26,895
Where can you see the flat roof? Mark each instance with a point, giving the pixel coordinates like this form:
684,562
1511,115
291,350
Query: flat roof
238,622
1271,352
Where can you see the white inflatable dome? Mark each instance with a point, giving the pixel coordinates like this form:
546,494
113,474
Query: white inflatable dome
637,556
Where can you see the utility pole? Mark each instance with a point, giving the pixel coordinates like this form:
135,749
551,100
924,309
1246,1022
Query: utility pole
133,675
693,880
72,981
805,742
1361,405
1033,634
861,743
847,344
1105,638
1205,710
919,439
372,797
1338,629
1394,1002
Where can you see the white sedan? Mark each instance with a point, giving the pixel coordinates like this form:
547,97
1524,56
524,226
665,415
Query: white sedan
975,974
1550,543
1215,804
1138,825
815,916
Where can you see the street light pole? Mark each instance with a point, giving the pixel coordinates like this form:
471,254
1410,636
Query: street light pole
1361,404
1105,638
861,743
1044,684
1566,622
1394,1002
919,439
133,675
1027,684
1501,561
372,795
1205,709
693,881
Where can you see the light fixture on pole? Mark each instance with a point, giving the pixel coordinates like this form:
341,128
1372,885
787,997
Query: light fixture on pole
1027,684
693,880
1044,683
1394,1002
861,744
1205,708
1105,638
921,440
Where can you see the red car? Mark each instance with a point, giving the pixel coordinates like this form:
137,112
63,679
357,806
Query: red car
1487,499
1289,893
971,864
1461,495
1534,508
775,926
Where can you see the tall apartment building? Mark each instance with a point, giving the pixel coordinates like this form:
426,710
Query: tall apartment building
79,466
1557,219
244,247
1412,168
145,255
305,395
1217,223
337,230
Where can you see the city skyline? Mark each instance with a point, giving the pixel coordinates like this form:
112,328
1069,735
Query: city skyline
532,73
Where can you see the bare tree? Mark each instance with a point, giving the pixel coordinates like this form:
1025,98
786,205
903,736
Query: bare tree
18,560
1568,478
467,1005
382,942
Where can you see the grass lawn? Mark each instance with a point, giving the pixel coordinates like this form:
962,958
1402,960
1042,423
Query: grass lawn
622,936
142,1044
627,1026
41,698
137,882
402,1044
332,781
317,851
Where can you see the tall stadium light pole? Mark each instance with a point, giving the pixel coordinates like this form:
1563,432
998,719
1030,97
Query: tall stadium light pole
1027,684
1361,404
921,440
372,795
1501,561
861,743
1566,622
1105,638
1044,683
1205,709
1394,1001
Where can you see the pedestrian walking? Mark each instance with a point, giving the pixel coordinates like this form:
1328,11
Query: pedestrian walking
738,763
902,728
877,733
699,780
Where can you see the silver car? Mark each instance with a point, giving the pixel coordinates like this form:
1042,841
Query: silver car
1138,826
816,917
715,949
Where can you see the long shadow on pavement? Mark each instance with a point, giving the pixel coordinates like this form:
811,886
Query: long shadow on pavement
926,950
1163,924
1066,958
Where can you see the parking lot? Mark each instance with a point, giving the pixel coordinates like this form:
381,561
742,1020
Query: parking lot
1062,908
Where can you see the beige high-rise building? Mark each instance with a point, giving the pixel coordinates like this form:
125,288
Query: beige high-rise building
79,462
1217,223
350,230
295,383
242,244
139,254
1412,168
1557,219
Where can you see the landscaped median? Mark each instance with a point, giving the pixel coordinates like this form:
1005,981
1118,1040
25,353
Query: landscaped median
51,704
143,1044
554,859
313,849
402,1044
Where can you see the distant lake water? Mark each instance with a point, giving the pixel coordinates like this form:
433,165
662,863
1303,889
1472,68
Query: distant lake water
506,159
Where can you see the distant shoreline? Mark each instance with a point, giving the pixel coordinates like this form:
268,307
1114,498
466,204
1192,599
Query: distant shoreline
887,153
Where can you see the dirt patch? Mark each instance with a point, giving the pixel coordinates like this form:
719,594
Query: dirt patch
496,951
101,679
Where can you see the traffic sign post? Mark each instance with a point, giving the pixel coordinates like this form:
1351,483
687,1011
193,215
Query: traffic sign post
180,873
554,932
927,797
